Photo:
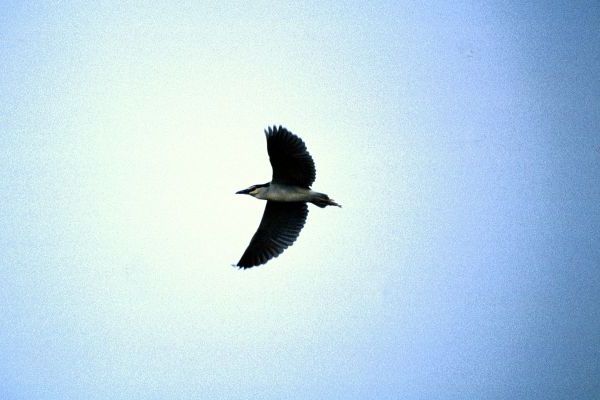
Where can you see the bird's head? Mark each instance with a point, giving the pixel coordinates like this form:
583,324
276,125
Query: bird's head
253,190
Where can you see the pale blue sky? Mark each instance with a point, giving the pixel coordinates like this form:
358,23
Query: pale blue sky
462,140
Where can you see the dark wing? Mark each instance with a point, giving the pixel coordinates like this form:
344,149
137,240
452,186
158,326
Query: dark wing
291,162
279,228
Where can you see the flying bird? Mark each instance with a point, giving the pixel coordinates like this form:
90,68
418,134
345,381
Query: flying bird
287,196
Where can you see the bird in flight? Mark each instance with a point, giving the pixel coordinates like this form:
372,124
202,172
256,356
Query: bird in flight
286,195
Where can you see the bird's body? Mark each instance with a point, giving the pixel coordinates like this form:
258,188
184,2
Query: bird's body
278,192
286,195
289,193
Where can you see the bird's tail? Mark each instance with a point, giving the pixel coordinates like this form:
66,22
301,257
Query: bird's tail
322,200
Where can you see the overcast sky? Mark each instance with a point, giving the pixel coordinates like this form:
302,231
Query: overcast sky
463,141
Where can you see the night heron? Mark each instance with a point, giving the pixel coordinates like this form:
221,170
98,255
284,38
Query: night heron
286,195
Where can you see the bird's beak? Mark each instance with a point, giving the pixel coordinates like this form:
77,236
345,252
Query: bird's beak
244,191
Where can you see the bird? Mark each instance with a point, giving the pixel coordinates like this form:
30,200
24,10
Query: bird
287,196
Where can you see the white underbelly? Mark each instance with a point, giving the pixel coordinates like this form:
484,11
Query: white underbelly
288,193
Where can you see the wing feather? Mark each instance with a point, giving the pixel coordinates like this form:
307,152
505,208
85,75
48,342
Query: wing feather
292,163
279,228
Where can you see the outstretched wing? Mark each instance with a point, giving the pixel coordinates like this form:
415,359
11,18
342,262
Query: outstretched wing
279,228
291,162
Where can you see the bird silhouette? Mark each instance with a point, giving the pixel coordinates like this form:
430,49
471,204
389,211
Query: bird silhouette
287,196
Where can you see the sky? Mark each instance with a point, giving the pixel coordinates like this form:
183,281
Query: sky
461,138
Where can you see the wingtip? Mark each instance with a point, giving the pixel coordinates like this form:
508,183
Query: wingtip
239,267
272,130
